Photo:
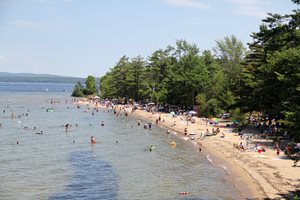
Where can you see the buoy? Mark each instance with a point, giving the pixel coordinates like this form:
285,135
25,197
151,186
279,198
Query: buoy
184,193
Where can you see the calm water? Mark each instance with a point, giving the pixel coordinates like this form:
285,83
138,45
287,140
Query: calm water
64,165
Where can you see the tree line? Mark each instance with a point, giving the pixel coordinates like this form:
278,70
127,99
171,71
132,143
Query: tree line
230,78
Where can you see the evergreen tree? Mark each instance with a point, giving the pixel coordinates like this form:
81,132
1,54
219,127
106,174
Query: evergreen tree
77,92
271,73
90,87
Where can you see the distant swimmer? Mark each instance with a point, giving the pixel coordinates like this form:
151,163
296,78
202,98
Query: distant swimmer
93,140
139,122
145,126
151,148
67,127
173,144
39,133
168,131
102,123
150,125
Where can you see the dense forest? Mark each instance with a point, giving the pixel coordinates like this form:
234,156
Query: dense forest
263,78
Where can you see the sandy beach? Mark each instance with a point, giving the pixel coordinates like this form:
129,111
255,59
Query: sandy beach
258,175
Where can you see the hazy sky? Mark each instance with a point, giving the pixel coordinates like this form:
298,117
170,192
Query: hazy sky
87,37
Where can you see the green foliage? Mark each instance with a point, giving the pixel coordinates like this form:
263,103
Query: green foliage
230,53
177,75
271,73
77,92
89,89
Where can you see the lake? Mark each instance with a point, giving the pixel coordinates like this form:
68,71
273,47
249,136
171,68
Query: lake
64,165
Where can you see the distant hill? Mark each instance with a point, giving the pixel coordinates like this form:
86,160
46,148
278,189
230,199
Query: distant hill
41,78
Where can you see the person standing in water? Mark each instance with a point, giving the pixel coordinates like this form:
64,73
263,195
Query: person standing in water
93,140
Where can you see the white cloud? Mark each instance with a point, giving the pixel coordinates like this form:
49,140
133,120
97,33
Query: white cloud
188,3
24,23
249,7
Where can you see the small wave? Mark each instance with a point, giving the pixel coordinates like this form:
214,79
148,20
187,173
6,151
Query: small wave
209,159
223,166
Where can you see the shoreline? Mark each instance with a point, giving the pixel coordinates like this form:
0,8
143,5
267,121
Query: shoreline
255,175
264,175
248,189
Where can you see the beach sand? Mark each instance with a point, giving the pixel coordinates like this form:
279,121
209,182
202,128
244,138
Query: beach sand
256,175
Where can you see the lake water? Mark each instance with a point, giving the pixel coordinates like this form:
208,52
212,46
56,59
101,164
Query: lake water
64,165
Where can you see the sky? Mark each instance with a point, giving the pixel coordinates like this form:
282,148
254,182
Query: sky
88,37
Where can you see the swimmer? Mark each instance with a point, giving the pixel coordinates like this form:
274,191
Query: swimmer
67,127
173,144
93,140
102,123
145,126
168,131
139,122
152,147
